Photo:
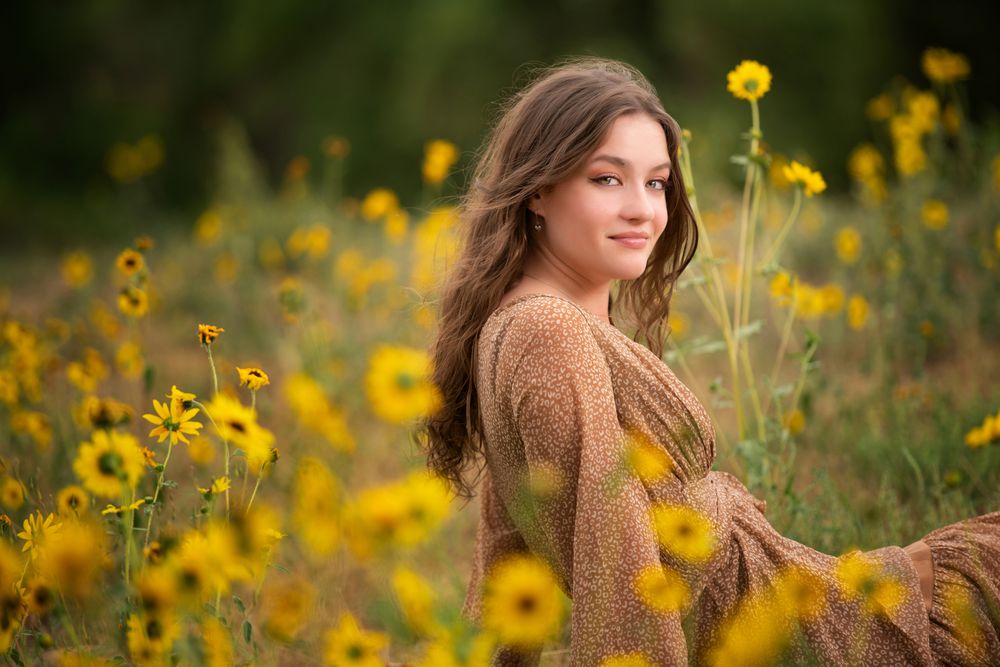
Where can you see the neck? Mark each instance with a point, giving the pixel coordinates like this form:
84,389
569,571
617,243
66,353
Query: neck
540,275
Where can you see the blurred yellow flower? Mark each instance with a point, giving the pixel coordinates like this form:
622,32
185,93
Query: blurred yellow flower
151,638
749,80
77,269
910,157
72,559
201,451
848,244
287,606
133,301
863,579
11,493
109,462
416,598
253,378
36,531
297,168
944,66
379,203
396,225
662,589
800,593
439,156
795,422
880,107
857,312
216,643
650,462
208,227
832,296
349,645
237,424
934,214
337,147
72,500
34,424
684,532
865,162
521,602
129,262
811,181
129,360
633,659
399,385
926,328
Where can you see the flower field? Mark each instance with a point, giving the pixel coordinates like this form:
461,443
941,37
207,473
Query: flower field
209,440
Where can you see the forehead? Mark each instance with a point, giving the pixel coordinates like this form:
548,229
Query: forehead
639,135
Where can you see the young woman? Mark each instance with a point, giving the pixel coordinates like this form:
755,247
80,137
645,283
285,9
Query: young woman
578,189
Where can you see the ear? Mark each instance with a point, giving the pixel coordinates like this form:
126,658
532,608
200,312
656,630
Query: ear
535,204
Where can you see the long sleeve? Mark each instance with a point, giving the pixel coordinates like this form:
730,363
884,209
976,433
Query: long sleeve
496,537
592,515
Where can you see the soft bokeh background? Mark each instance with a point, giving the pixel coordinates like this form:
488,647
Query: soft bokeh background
263,167
390,75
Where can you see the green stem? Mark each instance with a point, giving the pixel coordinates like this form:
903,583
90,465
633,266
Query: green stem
785,335
225,442
65,620
129,524
215,377
793,214
255,486
156,495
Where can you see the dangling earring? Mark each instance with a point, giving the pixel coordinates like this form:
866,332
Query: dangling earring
538,223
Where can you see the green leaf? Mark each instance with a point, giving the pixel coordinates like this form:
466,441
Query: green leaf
16,657
738,159
239,604
750,329
247,631
148,377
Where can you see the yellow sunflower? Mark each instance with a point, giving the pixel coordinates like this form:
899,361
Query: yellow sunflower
173,421
661,588
207,333
253,378
133,302
129,262
521,602
399,385
349,645
110,461
749,80
37,531
72,500
812,182
684,532
633,659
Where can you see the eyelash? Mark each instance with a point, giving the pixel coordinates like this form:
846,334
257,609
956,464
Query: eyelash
600,179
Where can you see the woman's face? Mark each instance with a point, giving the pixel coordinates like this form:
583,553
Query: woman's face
602,222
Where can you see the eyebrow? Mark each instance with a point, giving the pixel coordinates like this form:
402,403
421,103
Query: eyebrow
622,162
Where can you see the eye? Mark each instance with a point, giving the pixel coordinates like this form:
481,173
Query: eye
660,183
606,180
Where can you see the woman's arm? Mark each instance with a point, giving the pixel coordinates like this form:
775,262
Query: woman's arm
496,538
594,515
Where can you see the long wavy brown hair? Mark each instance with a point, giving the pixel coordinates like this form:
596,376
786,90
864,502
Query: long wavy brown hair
544,134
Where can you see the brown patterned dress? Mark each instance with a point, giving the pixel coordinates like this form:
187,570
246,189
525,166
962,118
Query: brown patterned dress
559,389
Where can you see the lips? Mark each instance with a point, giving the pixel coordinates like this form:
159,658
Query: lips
631,235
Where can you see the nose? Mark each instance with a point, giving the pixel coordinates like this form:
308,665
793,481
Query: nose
639,204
